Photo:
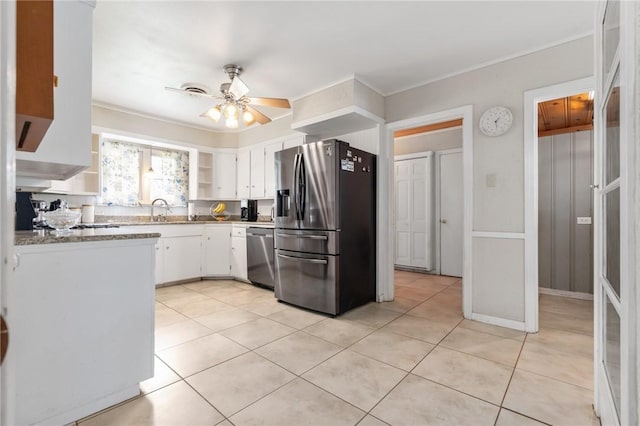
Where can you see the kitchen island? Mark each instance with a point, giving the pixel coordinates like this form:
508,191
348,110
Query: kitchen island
81,321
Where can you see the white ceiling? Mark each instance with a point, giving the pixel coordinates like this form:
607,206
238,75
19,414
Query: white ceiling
290,49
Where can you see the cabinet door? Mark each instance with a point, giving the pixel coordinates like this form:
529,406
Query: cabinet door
159,269
257,173
216,244
244,174
269,169
239,257
224,175
182,258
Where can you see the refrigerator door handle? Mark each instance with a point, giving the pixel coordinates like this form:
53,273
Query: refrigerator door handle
311,237
303,259
303,184
296,189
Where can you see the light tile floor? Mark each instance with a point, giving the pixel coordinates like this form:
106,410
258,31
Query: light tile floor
228,353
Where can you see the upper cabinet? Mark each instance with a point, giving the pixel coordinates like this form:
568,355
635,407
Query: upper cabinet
257,173
269,169
244,175
66,148
224,176
34,72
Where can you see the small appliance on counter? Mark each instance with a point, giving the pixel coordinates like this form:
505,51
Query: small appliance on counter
249,210
25,212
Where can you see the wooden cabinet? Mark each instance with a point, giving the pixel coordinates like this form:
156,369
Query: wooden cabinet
216,251
34,72
239,253
65,149
244,175
224,176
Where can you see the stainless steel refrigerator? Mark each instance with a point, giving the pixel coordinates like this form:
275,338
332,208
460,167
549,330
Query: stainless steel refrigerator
325,242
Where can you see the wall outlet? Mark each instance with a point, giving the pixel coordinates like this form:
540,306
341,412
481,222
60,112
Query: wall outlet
584,221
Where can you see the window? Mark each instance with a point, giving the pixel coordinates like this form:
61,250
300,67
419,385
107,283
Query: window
133,174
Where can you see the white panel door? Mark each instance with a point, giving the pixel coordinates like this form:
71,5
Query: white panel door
413,212
451,221
244,175
403,210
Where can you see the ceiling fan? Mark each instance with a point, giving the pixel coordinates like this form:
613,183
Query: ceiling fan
234,102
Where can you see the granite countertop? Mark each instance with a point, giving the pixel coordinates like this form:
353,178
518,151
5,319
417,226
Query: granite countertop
42,236
192,222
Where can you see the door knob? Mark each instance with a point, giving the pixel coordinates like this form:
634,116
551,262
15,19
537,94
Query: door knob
443,220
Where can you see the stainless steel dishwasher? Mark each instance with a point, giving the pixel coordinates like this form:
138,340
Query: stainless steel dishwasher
260,264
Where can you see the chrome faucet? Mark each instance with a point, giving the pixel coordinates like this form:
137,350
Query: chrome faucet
166,206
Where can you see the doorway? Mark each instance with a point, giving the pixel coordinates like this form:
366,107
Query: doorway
387,236
565,196
429,199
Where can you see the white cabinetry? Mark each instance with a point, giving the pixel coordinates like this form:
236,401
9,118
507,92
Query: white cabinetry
216,250
181,258
244,174
205,176
239,252
269,169
257,173
224,175
178,251
81,323
66,147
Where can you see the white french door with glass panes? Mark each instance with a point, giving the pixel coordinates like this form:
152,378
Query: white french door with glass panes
616,398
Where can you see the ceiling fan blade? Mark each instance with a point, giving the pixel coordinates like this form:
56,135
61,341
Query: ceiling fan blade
270,102
260,117
238,88
187,92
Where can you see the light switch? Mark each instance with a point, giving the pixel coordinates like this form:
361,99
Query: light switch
584,221
491,180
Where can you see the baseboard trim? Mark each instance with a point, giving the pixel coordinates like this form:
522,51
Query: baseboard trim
502,322
564,293
412,269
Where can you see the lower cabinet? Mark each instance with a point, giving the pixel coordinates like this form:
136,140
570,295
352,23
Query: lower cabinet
81,328
239,253
216,251
181,258
185,252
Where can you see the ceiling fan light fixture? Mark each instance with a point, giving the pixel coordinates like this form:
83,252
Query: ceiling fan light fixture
231,111
214,113
248,118
231,122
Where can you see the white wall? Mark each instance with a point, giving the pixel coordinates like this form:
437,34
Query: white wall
257,134
500,209
144,126
438,140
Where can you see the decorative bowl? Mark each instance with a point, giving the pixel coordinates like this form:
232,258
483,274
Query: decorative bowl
62,219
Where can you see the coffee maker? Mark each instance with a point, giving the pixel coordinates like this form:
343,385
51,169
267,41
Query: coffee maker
249,210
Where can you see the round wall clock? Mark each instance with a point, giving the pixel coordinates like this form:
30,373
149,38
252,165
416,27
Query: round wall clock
496,121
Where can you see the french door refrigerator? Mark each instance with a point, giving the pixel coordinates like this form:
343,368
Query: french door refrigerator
325,242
